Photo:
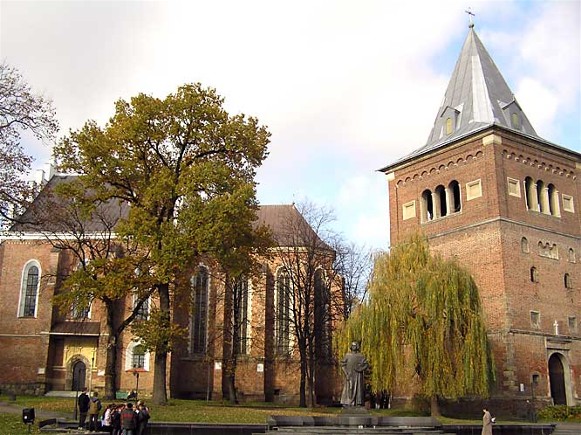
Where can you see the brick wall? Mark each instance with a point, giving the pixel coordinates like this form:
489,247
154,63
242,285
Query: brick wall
486,236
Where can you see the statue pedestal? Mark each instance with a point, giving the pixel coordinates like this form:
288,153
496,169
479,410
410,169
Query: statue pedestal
354,410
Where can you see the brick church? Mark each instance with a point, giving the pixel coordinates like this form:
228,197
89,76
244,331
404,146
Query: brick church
487,190
47,349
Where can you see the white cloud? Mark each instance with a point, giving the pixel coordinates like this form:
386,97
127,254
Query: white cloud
541,103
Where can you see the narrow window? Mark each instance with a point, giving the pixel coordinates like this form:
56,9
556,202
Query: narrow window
531,194
535,319
567,281
240,302
571,255
442,203
515,121
427,206
534,274
524,245
455,202
553,200
572,322
29,290
283,312
449,126
199,326
543,197
138,357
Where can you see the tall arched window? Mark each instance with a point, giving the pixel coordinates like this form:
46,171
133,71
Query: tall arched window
442,203
283,311
455,200
240,299
571,255
199,318
427,206
553,200
29,289
531,194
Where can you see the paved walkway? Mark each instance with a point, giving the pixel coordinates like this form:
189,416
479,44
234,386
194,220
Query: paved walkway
13,408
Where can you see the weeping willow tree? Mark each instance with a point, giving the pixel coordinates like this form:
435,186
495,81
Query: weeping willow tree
422,325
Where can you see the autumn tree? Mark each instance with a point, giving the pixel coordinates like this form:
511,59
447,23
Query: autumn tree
423,313
308,294
186,170
21,110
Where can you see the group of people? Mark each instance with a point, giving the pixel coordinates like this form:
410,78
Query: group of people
118,419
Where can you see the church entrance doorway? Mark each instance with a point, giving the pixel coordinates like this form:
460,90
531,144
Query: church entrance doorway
79,374
557,380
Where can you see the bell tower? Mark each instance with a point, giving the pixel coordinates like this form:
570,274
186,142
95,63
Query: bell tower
487,189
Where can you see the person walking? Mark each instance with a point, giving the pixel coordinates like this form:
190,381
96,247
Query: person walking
486,423
94,409
83,404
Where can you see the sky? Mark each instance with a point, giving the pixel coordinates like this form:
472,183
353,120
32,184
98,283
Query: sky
344,87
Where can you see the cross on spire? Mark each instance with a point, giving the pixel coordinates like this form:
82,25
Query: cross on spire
470,15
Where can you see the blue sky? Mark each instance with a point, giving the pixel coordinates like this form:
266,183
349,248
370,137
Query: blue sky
345,87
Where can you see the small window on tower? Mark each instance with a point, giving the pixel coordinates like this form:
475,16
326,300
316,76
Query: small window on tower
524,245
515,120
567,281
572,322
449,127
535,319
534,274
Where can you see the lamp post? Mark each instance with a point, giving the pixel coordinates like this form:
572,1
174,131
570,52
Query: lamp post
136,374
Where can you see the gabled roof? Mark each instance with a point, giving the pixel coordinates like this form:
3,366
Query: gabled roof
477,97
45,214
288,226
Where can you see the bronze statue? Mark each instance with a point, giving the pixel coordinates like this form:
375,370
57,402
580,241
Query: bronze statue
354,365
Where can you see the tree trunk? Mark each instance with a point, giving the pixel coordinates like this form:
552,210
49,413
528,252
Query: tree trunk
161,352
110,355
110,365
435,406
303,381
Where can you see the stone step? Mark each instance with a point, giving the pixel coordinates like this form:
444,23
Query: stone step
56,393
335,430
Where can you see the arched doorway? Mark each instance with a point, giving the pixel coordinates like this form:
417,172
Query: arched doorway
557,380
79,375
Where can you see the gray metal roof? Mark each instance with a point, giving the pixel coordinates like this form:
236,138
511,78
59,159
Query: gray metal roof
477,97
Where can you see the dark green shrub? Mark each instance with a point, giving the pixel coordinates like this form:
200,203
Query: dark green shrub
560,413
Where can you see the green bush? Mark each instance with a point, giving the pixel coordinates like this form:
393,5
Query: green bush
560,413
